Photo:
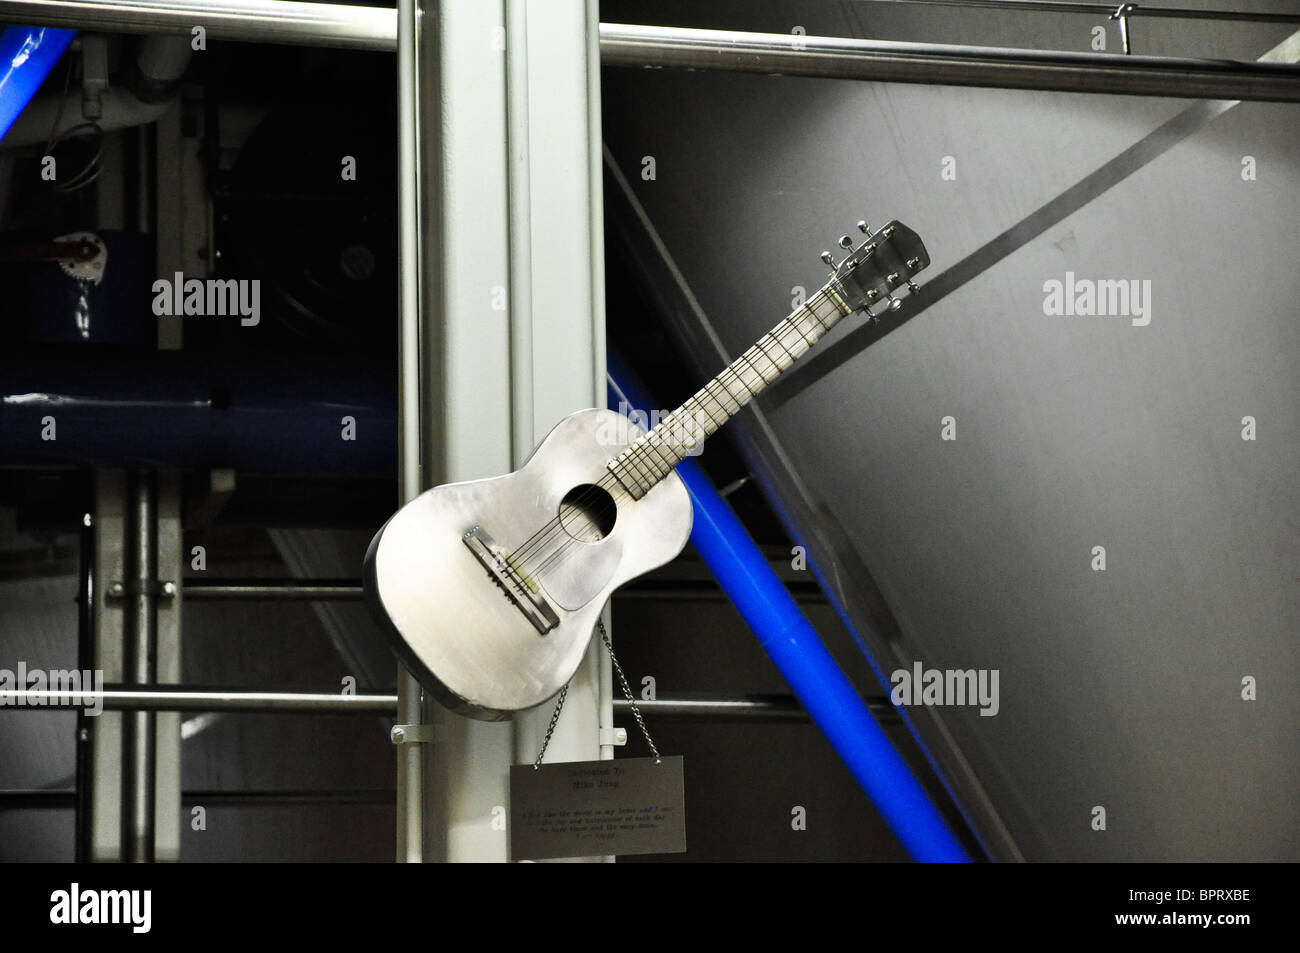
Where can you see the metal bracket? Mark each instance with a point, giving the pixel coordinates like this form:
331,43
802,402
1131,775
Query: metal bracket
613,736
411,734
1122,14
160,588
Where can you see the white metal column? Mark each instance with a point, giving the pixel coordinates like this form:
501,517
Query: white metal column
511,320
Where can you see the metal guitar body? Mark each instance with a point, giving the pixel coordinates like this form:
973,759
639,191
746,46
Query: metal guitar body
487,627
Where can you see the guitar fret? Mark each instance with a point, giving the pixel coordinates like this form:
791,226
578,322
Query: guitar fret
726,389
763,350
652,456
799,331
720,404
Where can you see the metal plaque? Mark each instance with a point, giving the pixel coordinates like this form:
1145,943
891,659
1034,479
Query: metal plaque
583,808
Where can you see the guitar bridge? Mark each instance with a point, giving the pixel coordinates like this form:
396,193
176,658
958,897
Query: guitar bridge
519,586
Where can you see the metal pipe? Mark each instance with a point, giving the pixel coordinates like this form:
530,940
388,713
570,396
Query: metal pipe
156,698
322,24
29,53
375,28
764,708
796,649
347,590
153,698
519,234
150,90
257,21
85,766
218,590
1106,9
46,800
410,360
257,415
138,740
768,708
942,64
628,45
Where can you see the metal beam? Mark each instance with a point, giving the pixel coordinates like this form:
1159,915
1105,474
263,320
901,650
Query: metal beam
346,590
764,708
946,65
220,590
154,698
373,28
256,21
412,348
56,799
1107,10
138,741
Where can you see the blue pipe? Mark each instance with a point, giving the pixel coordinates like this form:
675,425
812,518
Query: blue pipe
178,409
27,56
793,644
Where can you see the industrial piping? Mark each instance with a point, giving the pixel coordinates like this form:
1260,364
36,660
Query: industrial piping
793,644
27,55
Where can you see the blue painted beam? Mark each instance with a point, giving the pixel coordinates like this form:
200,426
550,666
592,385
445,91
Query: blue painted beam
794,646
27,55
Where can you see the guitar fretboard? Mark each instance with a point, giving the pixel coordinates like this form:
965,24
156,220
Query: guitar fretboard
654,455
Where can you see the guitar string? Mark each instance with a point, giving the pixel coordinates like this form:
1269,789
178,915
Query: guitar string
641,456
636,464
643,448
652,472
567,545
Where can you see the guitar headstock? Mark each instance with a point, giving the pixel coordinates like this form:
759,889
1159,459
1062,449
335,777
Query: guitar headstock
881,264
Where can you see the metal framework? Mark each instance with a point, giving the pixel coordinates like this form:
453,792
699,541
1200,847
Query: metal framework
1133,10
444,147
325,24
169,698
932,63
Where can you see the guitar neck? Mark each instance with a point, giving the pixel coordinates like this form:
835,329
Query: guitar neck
654,455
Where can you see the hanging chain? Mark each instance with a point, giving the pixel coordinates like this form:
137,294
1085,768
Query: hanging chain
622,680
627,691
550,729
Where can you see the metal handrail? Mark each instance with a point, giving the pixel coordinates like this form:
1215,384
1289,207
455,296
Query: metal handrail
359,27
115,697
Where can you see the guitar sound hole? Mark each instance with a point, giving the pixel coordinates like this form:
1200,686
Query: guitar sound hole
587,513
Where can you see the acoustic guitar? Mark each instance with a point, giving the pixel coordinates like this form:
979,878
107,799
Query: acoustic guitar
490,589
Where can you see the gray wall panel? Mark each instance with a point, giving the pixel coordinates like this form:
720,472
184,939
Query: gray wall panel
1120,688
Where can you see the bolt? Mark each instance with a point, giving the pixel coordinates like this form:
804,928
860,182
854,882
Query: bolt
116,590
398,735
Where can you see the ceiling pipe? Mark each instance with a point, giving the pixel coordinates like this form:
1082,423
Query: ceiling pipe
946,65
374,28
27,55
148,91
257,21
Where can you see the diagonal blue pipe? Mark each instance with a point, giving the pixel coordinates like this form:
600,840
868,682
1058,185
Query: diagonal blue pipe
27,55
793,644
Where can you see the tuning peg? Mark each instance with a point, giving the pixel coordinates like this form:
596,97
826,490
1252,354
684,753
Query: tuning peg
862,227
913,287
846,242
894,303
828,258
